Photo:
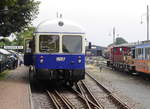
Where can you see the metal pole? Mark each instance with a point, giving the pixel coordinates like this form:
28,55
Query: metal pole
114,35
57,14
147,22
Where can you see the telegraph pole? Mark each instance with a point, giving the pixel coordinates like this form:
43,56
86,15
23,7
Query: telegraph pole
114,34
57,14
147,22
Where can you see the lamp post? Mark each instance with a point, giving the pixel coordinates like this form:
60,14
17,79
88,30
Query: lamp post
114,34
147,22
147,19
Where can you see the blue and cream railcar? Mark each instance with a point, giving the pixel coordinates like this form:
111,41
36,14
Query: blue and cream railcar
57,51
142,58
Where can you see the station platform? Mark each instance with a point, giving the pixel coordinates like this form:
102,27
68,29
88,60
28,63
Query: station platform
14,90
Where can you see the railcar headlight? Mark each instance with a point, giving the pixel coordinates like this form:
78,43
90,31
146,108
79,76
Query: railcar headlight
79,60
41,59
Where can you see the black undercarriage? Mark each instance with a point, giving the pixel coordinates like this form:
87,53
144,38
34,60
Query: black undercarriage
61,75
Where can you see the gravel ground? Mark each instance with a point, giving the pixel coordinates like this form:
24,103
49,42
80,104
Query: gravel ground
134,89
14,92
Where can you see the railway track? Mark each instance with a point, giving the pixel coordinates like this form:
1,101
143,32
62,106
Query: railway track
87,94
69,98
112,99
62,100
59,100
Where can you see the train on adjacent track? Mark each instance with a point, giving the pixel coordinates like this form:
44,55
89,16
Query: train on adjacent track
133,58
56,51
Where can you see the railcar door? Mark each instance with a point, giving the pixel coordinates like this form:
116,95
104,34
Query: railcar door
28,56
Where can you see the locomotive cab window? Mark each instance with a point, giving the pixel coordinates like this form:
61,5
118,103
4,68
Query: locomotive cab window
49,43
72,44
115,50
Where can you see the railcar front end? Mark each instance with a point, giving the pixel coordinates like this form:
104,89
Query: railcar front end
60,57
58,52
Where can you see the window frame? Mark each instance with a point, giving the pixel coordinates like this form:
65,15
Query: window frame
146,52
74,35
49,35
141,54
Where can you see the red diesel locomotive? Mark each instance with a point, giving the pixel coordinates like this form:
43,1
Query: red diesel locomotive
131,57
122,58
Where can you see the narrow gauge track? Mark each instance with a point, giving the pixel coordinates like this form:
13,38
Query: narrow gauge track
69,98
81,96
59,100
115,101
91,95
65,100
90,99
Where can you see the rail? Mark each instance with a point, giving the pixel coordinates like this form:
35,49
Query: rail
111,94
56,97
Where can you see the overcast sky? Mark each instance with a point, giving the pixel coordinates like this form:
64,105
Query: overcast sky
98,17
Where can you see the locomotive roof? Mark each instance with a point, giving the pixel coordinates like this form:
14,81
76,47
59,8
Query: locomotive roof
59,26
126,45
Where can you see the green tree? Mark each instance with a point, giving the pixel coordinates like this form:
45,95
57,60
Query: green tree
18,17
4,41
27,33
120,40
7,3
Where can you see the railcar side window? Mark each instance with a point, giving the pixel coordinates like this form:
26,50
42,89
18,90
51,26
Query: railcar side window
140,53
49,43
147,53
133,52
27,46
121,49
72,44
136,53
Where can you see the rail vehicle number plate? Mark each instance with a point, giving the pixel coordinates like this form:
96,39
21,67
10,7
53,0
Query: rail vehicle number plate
60,59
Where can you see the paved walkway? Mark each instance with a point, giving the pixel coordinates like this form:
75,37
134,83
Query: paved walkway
14,90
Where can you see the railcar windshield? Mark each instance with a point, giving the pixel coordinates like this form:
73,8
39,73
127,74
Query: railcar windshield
72,44
49,43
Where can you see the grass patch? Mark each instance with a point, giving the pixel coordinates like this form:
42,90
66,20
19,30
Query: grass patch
3,74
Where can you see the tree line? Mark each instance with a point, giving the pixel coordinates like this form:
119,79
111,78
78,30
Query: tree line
17,19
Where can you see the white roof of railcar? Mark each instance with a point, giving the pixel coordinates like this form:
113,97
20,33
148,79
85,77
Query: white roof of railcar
59,26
